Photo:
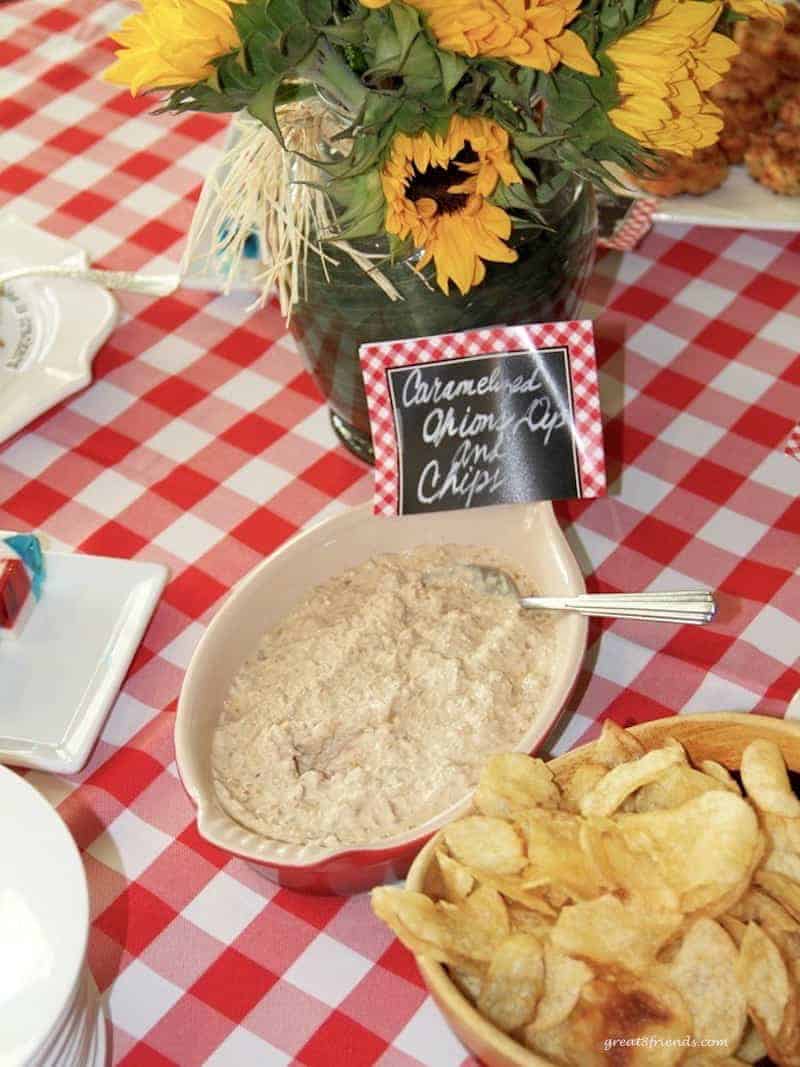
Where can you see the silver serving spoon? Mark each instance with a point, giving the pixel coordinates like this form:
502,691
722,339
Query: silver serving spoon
127,280
695,606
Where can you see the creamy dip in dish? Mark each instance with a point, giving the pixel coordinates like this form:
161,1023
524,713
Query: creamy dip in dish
374,704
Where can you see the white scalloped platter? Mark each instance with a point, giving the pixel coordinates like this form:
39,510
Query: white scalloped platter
740,202
50,328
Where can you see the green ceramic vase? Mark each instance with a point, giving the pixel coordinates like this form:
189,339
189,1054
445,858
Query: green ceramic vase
336,316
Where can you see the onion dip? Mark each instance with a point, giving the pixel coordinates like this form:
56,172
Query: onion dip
373,705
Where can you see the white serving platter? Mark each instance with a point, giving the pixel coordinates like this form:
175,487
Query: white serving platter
50,328
59,678
740,203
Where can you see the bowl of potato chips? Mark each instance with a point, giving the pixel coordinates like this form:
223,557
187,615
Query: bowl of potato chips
636,901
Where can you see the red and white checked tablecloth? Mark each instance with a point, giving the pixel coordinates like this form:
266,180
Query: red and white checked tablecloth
202,444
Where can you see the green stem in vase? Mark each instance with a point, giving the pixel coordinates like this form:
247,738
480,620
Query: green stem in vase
326,68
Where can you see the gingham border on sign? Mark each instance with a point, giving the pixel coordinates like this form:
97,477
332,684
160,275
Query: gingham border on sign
576,337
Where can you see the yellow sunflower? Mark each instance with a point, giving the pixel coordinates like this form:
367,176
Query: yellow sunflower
436,190
531,33
759,9
665,69
171,43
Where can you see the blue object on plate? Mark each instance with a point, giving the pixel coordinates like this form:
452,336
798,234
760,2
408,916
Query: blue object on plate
29,550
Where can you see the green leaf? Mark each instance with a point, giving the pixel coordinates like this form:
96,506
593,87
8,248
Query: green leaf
515,197
453,68
200,97
421,71
317,12
547,191
406,24
507,116
363,203
530,144
263,104
351,31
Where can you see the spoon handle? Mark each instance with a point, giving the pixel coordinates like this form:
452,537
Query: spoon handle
128,280
694,606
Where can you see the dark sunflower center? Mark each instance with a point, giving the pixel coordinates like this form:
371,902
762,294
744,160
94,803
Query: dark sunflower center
433,183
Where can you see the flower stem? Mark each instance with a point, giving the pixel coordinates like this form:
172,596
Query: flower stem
327,69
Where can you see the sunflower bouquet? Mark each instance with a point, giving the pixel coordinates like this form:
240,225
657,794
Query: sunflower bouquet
442,125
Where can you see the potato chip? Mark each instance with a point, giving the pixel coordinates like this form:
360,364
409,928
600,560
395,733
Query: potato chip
783,837
583,779
638,1022
752,1049
673,788
564,978
469,984
705,850
414,919
708,1059
485,844
783,832
756,906
487,908
622,869
437,930
466,938
781,862
626,778
556,857
607,932
704,973
735,928
782,889
513,886
720,773
515,782
764,979
616,745
766,781
524,920
713,900
513,983
456,879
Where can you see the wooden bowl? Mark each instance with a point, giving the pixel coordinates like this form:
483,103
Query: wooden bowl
722,737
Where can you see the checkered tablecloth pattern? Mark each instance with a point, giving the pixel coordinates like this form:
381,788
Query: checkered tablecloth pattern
203,444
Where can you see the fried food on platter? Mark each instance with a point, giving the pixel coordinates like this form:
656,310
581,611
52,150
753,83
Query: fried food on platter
774,160
743,118
647,897
788,102
702,172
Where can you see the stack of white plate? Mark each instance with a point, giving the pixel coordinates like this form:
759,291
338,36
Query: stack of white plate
50,1014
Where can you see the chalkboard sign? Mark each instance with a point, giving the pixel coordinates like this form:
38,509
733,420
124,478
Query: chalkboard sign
496,416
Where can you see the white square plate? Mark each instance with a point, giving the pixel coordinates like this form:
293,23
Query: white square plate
50,328
59,678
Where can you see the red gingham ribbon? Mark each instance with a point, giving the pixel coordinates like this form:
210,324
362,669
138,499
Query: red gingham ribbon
632,228
576,337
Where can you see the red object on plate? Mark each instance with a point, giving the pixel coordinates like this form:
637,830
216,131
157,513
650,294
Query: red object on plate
15,588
